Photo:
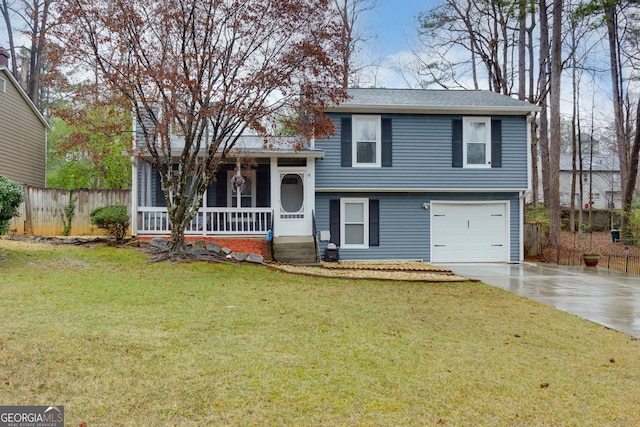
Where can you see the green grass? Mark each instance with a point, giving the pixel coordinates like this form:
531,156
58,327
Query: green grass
119,341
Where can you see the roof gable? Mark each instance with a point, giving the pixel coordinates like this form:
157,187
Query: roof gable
600,162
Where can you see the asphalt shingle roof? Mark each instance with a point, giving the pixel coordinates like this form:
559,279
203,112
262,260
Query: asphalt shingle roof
432,101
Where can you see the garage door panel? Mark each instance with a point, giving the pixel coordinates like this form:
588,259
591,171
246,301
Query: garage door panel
469,232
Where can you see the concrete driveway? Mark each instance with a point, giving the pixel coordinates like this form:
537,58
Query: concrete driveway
603,296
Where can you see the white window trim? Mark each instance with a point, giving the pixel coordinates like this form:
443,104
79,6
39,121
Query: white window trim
354,145
231,195
487,122
365,203
3,85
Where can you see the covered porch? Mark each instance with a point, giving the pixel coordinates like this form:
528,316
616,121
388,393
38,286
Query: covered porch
278,196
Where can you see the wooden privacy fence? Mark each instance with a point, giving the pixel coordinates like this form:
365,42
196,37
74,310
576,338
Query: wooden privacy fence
532,240
43,211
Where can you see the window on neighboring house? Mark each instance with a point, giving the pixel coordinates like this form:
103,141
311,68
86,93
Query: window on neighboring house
248,195
366,141
354,223
3,85
476,137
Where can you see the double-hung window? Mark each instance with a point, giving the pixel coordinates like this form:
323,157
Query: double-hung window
476,142
354,223
366,141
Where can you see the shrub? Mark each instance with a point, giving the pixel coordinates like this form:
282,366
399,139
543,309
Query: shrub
540,216
634,224
113,218
11,196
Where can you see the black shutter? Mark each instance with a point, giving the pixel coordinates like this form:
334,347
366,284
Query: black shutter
334,221
386,138
345,142
456,143
496,143
374,222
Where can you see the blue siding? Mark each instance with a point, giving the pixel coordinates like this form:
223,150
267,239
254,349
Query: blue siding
405,225
422,158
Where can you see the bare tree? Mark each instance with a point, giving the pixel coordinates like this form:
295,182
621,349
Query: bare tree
620,19
37,14
209,70
488,31
352,36
5,9
34,18
554,110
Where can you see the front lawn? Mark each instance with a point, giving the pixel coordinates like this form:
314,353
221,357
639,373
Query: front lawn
122,342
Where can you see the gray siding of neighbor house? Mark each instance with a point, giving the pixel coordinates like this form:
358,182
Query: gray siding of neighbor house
22,138
405,224
422,158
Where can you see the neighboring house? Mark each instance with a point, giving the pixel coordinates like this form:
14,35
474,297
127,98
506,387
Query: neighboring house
602,179
23,138
432,175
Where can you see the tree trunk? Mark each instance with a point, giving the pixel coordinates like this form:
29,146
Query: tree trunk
12,46
522,66
543,90
534,125
574,145
632,177
555,131
617,93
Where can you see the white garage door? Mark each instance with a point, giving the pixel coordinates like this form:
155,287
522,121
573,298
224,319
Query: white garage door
469,232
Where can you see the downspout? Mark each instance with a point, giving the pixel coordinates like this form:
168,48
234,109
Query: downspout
521,228
530,117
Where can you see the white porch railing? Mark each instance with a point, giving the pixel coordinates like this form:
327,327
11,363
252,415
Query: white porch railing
208,221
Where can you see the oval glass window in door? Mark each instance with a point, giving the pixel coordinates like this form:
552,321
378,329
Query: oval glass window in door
291,193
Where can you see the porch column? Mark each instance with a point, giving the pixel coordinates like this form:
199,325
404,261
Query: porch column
310,191
275,193
134,197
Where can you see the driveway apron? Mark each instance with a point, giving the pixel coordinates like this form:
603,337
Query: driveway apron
607,297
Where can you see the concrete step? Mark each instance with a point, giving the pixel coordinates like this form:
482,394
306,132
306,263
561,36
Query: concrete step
294,250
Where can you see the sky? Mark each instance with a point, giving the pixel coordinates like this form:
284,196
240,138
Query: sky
393,26
395,23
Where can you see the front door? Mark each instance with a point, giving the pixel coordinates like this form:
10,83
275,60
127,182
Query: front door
292,210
